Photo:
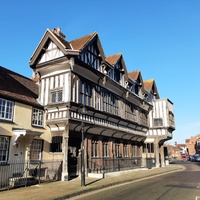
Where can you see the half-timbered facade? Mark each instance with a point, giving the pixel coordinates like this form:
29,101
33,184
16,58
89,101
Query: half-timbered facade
161,123
91,103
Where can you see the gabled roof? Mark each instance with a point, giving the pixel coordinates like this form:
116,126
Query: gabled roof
59,40
16,87
113,59
80,43
73,47
150,85
134,75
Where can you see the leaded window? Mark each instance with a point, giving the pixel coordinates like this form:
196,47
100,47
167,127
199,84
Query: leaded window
105,148
56,145
117,149
95,147
125,149
158,122
6,109
110,103
85,93
91,57
130,112
56,96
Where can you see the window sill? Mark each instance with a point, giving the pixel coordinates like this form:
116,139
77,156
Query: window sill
6,121
40,127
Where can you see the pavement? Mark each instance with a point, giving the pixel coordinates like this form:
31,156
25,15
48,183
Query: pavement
66,189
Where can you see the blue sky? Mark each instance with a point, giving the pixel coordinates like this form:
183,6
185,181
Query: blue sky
159,37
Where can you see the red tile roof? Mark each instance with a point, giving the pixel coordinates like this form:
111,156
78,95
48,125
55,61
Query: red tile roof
148,84
80,43
134,75
16,87
113,59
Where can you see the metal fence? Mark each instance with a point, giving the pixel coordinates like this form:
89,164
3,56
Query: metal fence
23,173
105,165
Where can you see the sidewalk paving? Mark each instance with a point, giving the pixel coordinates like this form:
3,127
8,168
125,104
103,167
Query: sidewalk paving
65,189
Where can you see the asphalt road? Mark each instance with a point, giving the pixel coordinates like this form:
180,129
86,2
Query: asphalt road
182,185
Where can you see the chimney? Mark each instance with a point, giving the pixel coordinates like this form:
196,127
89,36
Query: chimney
58,32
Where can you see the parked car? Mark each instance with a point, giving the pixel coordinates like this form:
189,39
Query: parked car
195,158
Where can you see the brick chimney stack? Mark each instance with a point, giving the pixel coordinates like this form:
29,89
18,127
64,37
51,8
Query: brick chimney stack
58,32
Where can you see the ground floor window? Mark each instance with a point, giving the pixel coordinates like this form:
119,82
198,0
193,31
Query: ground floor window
105,148
148,148
36,150
4,148
95,149
125,149
117,149
56,145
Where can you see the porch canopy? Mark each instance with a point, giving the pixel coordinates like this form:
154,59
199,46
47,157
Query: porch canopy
24,133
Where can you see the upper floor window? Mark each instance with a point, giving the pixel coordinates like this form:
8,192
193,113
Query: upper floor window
91,57
85,93
38,117
109,103
56,96
6,109
130,112
158,122
4,148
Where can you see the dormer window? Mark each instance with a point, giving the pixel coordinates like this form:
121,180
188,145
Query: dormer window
91,57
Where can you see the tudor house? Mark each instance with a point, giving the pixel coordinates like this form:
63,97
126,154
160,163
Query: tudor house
161,124
92,103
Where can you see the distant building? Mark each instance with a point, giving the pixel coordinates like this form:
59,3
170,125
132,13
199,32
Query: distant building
193,145
173,152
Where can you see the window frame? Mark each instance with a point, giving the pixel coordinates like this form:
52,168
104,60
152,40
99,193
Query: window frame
4,148
95,148
57,98
56,144
105,148
38,117
85,93
36,153
6,109
158,122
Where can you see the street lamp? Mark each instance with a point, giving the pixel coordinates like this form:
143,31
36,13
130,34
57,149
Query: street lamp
83,111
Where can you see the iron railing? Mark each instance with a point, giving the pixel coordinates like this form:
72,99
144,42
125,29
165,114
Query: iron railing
23,173
105,165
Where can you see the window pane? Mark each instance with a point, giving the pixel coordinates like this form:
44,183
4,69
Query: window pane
6,109
37,117
53,97
35,150
4,147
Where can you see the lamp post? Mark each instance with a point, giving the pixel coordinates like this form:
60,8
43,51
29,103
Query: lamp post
82,150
